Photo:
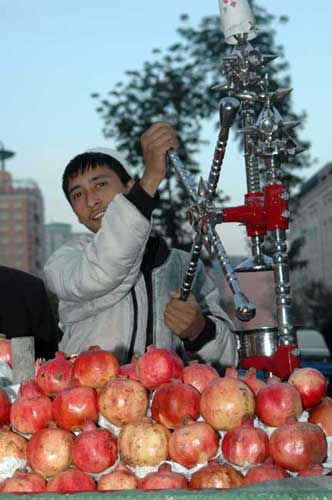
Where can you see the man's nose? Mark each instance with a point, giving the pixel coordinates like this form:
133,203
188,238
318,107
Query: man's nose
92,199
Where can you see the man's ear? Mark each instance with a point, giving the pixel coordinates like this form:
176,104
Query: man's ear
129,185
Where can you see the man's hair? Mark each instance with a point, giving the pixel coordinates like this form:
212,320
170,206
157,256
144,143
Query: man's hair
85,161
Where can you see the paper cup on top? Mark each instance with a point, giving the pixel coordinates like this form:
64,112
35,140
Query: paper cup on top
237,19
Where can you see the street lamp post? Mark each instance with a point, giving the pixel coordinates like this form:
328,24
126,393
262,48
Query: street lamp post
5,154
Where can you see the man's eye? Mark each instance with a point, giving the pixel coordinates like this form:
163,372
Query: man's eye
101,184
76,195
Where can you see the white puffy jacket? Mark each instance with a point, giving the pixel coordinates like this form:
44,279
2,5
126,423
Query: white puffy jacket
106,300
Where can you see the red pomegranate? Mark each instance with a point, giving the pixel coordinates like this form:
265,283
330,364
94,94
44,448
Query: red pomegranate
313,470
4,408
95,449
49,451
12,444
264,472
73,406
164,479
24,482
199,375
54,375
216,475
192,444
297,446
276,402
158,366
123,400
143,443
71,480
225,401
250,378
95,367
245,445
5,349
30,389
120,479
129,370
310,383
31,415
322,415
173,402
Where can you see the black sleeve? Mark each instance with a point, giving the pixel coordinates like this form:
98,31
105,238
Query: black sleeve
142,200
208,334
46,331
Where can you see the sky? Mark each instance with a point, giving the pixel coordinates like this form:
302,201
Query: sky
55,54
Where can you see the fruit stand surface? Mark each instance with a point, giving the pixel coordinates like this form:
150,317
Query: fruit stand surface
312,488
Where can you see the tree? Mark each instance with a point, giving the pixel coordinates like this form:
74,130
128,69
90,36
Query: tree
174,86
312,306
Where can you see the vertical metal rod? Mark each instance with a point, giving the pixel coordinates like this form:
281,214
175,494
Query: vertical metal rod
251,160
282,287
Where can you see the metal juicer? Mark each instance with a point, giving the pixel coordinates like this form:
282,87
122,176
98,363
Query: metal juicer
267,144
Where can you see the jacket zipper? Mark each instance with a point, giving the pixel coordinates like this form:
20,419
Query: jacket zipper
134,332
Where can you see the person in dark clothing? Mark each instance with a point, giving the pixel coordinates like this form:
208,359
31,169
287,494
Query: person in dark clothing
25,311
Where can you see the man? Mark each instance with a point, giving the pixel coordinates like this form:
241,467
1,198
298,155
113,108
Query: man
119,288
25,311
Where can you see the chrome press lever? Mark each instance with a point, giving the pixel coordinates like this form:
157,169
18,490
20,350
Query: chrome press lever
204,216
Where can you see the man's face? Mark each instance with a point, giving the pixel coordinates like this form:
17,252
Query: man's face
91,192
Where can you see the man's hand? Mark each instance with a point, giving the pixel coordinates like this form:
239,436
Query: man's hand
156,141
184,318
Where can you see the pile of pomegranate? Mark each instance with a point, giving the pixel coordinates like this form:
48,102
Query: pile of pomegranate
86,423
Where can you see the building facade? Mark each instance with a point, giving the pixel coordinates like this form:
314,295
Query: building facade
313,221
21,224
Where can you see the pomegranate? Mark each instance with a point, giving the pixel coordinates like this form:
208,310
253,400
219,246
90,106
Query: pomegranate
174,401
245,445
231,372
164,479
276,402
4,408
123,400
30,389
252,381
310,383
54,375
95,367
216,475
158,366
192,444
72,406
49,451
5,349
120,479
199,375
143,443
313,470
31,415
94,449
264,472
129,369
24,482
225,401
297,446
71,480
12,444
322,415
